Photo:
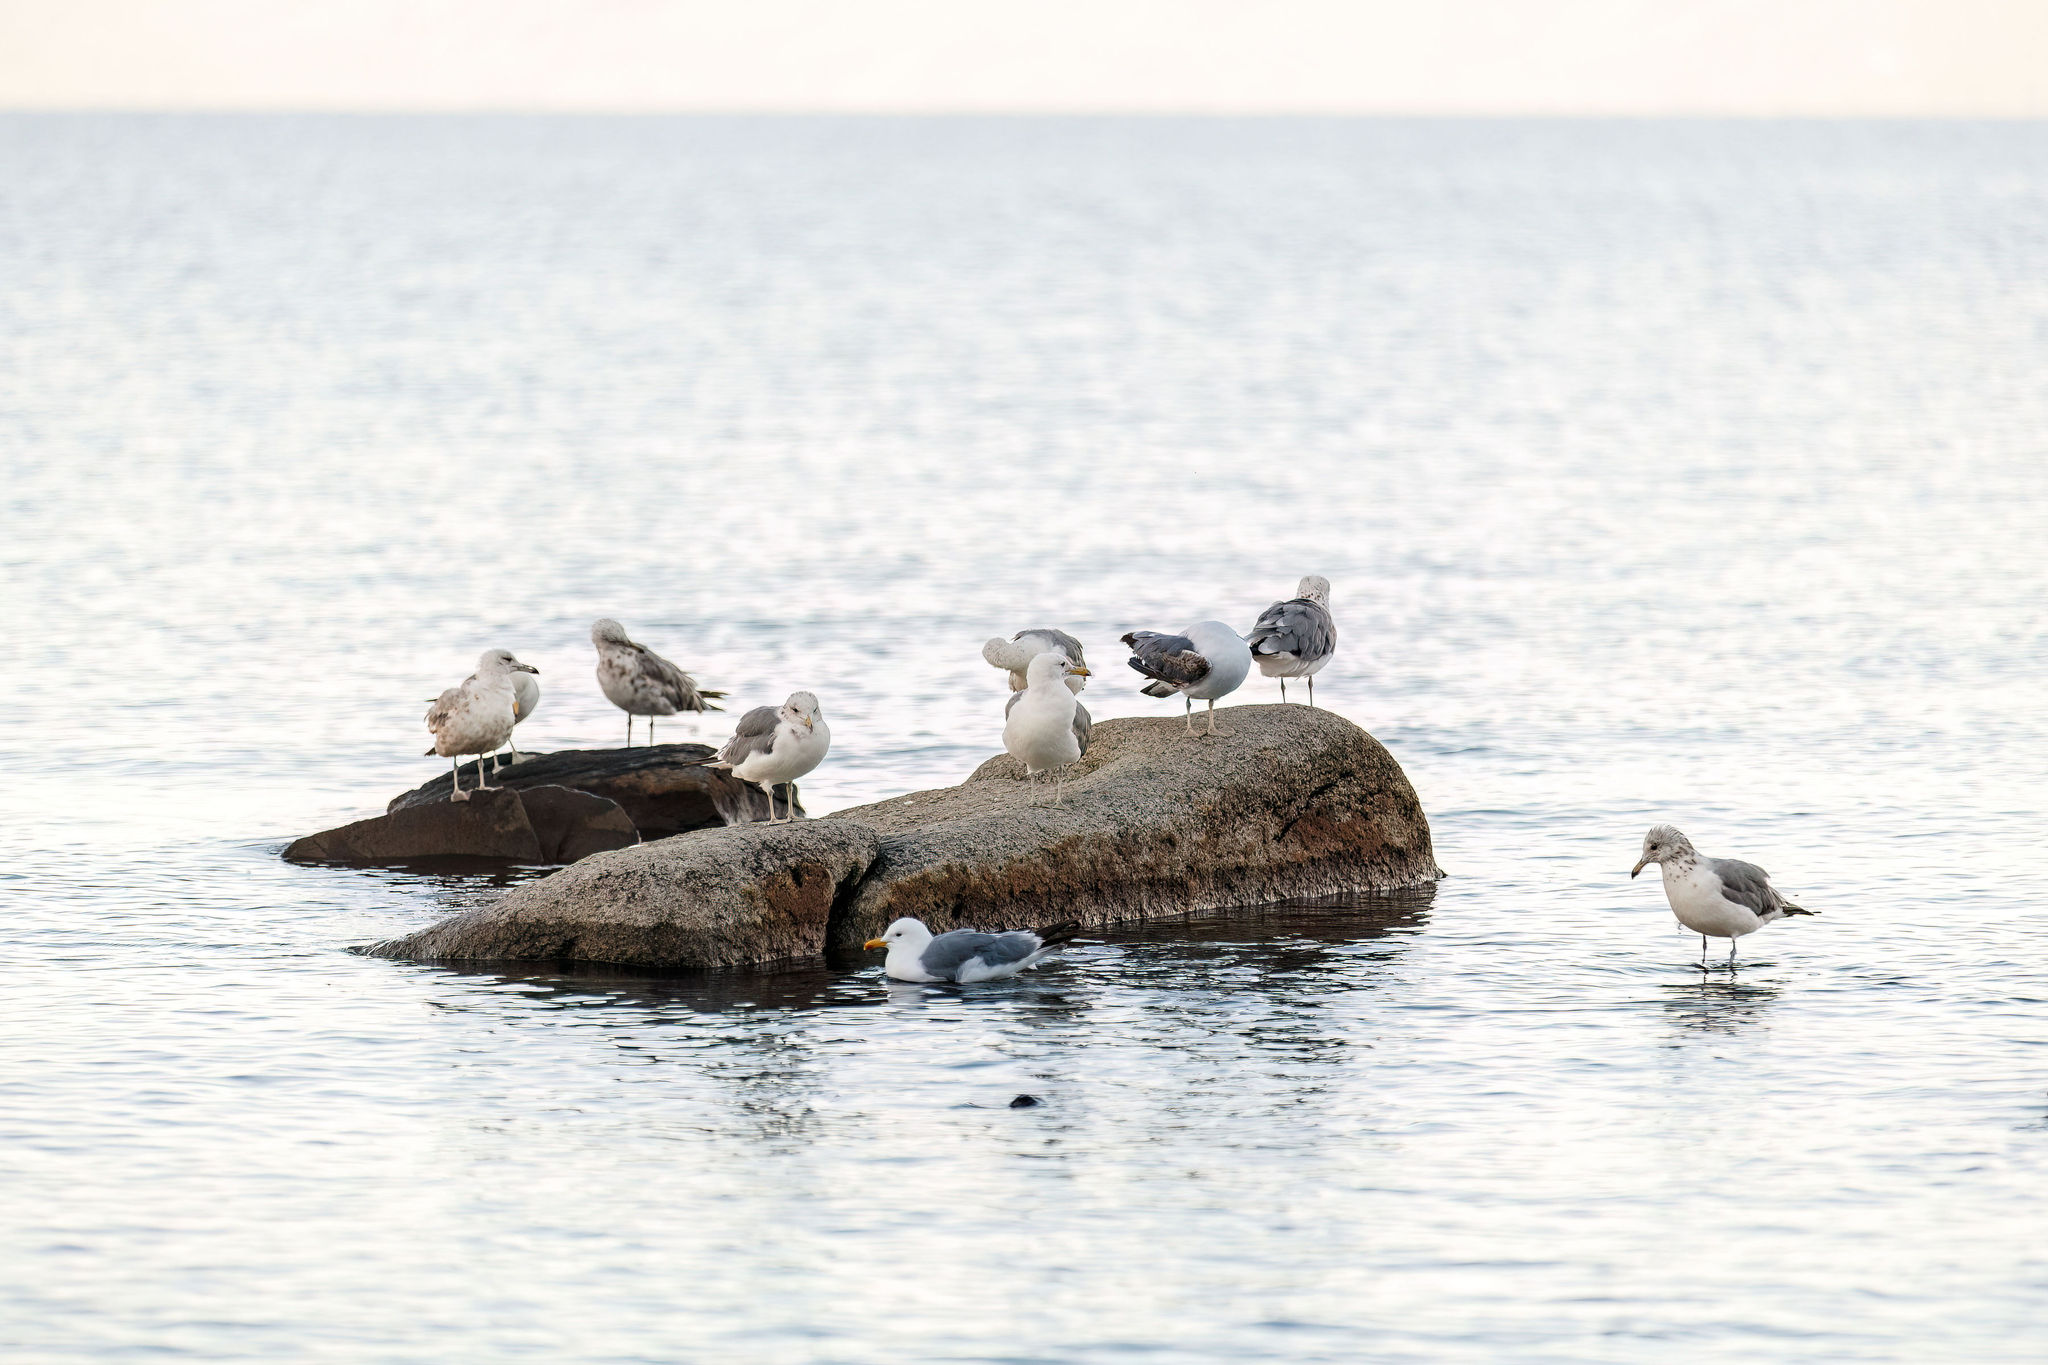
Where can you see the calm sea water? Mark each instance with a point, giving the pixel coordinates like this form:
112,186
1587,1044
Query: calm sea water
1664,471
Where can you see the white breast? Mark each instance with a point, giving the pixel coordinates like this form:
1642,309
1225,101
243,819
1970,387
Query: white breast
1696,899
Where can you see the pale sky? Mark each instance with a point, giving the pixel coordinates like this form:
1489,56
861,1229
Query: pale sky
1744,57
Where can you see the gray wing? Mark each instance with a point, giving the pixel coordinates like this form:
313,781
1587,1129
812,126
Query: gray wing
1172,659
1054,640
755,734
679,687
945,955
1746,884
1298,627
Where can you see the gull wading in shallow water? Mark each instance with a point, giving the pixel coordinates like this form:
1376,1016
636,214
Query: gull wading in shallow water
1207,661
1713,897
642,683
476,716
1047,728
773,746
965,955
1295,638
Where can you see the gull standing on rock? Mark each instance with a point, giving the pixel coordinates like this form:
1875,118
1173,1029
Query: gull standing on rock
1713,897
965,955
1046,727
771,746
1207,661
476,717
642,683
1015,654
1295,638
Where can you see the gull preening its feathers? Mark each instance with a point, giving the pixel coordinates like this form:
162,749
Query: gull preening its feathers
642,683
1206,661
1046,727
1713,897
965,955
774,746
1295,638
1015,654
476,716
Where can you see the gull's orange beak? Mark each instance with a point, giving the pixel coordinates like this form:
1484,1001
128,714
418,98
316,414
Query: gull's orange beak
875,943
1080,672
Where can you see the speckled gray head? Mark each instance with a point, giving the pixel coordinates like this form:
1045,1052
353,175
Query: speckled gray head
802,709
1661,843
604,630
502,659
1315,588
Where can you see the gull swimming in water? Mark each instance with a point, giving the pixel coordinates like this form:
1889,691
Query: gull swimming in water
1015,654
1206,661
965,955
772,746
1046,727
1295,638
642,683
1713,897
476,716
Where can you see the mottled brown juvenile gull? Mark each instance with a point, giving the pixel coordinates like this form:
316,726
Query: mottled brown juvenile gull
475,716
772,746
642,683
1015,654
1713,897
965,955
1046,730
1207,661
1295,638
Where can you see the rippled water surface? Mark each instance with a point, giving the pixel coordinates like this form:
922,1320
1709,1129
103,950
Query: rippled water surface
1665,471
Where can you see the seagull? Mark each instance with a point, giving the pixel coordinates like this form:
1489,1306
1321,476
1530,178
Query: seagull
476,716
1295,638
1046,726
1016,653
1206,661
525,696
642,683
771,746
965,955
1721,897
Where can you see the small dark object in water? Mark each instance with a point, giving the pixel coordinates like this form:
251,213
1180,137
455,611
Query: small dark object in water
1025,1102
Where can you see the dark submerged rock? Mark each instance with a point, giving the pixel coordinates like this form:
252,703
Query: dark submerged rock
491,825
1295,802
660,794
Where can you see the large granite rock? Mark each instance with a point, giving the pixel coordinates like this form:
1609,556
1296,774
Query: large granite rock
538,825
714,898
652,784
1293,802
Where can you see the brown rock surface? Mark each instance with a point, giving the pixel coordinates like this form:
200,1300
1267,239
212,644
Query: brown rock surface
490,825
1294,802
750,894
660,793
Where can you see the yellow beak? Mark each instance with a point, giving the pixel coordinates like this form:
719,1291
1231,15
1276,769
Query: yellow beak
810,724
875,943
1080,672
1638,868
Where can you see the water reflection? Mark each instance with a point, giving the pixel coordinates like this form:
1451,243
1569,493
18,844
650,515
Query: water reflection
1710,1006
